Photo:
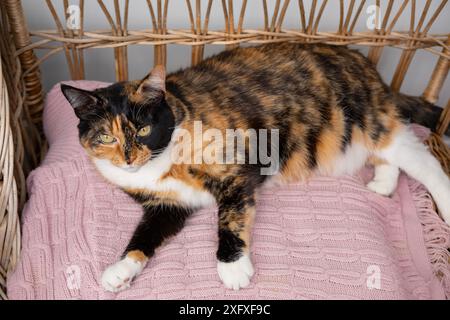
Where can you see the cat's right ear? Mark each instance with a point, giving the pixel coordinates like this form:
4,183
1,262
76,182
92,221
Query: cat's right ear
81,100
154,83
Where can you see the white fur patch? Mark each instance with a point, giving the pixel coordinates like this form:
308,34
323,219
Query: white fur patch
148,177
353,159
118,276
236,274
385,179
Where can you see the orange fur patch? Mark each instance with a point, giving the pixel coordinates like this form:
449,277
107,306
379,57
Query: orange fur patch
137,255
329,142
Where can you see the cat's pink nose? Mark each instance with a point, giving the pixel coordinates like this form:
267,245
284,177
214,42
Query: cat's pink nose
130,160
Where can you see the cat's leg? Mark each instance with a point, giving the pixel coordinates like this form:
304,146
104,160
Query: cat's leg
411,155
385,179
235,222
158,223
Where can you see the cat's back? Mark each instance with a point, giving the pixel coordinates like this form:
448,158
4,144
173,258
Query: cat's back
266,60
270,70
269,85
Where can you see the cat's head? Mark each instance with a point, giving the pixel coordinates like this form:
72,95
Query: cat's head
127,123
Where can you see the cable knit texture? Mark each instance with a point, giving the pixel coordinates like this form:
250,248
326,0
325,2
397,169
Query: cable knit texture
330,238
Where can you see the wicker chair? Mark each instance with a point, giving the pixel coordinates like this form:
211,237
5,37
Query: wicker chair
23,145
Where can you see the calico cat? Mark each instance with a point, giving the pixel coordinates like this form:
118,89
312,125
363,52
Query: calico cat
329,107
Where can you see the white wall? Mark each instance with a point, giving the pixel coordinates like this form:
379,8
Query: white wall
100,66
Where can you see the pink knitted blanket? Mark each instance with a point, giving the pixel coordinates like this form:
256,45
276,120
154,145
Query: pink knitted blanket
330,238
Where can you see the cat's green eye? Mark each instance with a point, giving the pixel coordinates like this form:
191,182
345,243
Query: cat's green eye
144,131
104,138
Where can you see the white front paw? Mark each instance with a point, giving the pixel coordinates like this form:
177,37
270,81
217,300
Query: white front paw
118,276
236,274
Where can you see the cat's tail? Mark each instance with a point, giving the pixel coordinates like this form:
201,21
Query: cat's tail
419,111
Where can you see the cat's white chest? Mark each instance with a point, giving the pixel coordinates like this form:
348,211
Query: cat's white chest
148,178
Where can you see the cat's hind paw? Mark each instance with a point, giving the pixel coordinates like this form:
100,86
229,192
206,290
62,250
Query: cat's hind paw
385,188
237,274
385,179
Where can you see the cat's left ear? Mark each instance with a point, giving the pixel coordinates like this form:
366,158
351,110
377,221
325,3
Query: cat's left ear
154,82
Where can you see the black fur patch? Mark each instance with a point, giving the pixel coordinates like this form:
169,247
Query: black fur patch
230,246
158,223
